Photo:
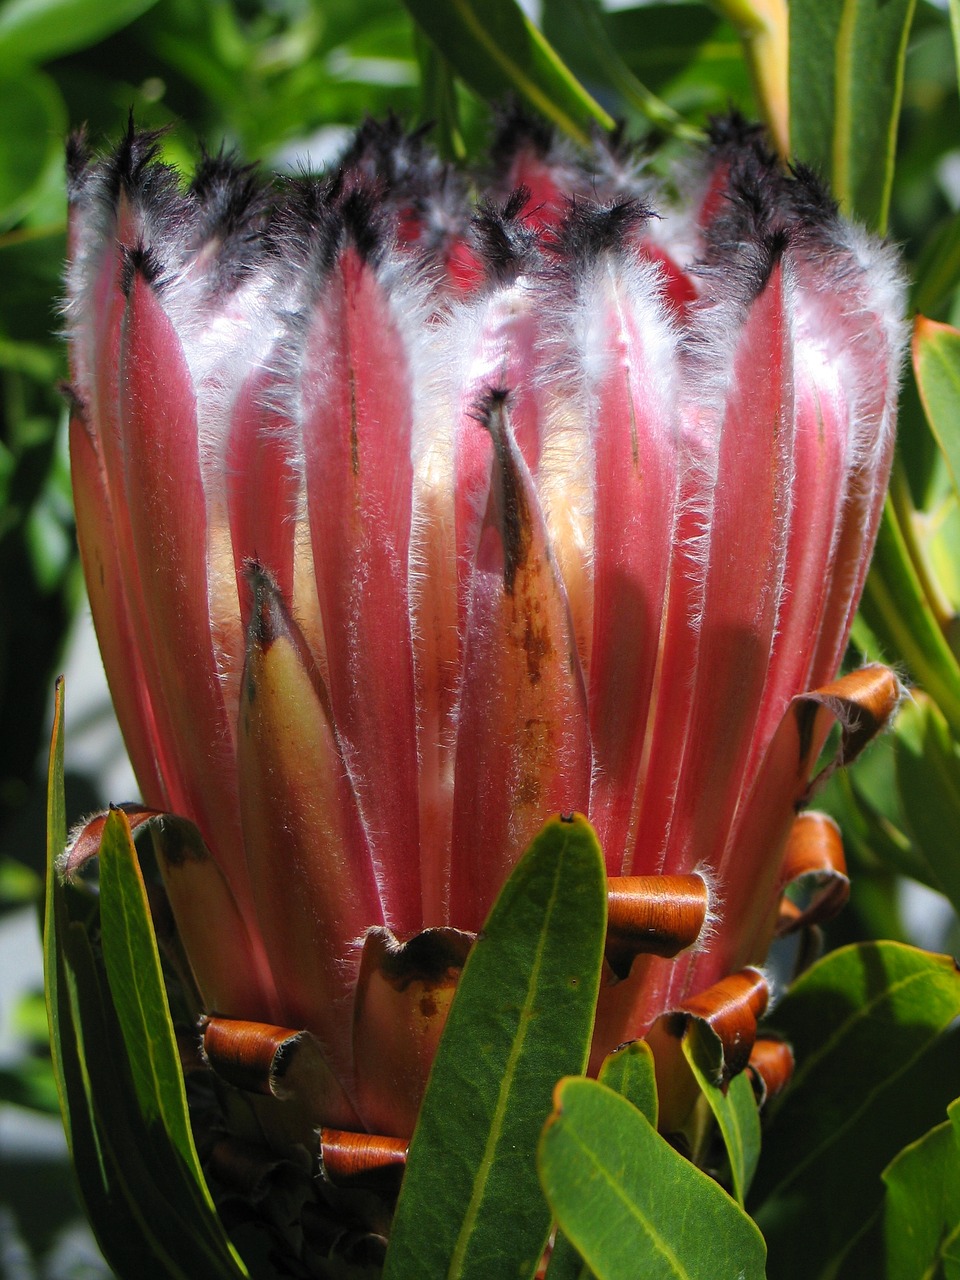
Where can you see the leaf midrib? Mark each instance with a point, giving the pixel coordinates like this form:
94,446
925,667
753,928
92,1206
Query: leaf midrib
471,1213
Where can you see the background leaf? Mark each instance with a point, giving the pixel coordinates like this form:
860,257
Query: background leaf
937,361
132,965
734,1107
630,1072
33,122
846,82
631,1204
33,30
928,778
922,1210
497,50
152,1218
898,611
874,1071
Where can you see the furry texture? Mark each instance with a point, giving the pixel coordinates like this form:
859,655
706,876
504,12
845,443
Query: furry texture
603,527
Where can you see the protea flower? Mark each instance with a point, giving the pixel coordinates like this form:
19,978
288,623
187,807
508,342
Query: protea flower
408,524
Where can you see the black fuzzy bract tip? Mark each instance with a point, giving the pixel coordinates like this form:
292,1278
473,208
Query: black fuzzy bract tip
143,261
590,230
754,222
315,219
134,166
506,244
385,154
78,159
516,129
734,133
229,195
810,200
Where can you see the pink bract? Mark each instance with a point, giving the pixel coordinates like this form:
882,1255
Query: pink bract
409,520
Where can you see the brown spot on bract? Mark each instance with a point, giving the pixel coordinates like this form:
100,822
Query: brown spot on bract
537,646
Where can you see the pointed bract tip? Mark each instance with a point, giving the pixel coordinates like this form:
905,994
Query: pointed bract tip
516,129
78,158
142,260
267,617
507,246
590,230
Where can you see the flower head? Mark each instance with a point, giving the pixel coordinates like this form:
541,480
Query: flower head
406,526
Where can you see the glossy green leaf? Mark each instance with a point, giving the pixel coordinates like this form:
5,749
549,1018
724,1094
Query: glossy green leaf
33,31
937,272
898,612
954,6
873,1073
565,1262
846,85
141,1202
438,93
630,1072
936,352
136,984
585,25
631,1204
33,122
497,50
928,778
734,1106
470,1205
922,1208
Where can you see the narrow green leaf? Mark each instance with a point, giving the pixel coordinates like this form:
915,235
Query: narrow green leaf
734,1107
590,32
955,29
470,1205
937,272
897,611
34,31
631,1204
142,1234
565,1261
936,354
67,1064
763,29
109,1214
497,50
630,1072
873,1073
922,1209
438,94
928,780
137,987
846,84
136,984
